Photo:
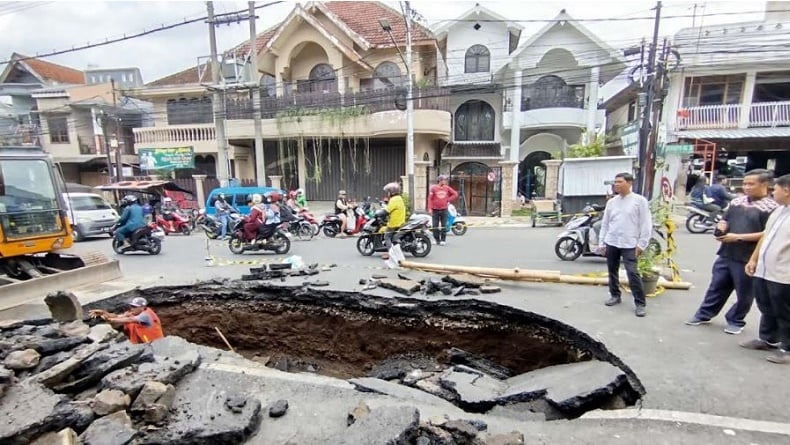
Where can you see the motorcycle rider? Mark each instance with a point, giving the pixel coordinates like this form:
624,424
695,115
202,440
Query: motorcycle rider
396,208
719,192
131,219
341,210
223,210
301,198
701,198
271,215
167,209
255,219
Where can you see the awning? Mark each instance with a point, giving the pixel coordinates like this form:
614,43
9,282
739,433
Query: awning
472,150
735,133
144,186
78,159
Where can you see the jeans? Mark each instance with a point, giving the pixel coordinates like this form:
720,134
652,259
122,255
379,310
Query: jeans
391,237
224,219
773,300
123,232
439,218
613,255
727,275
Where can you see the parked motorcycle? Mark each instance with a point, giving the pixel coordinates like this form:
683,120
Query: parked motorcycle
455,222
580,237
412,236
174,222
699,220
146,239
278,242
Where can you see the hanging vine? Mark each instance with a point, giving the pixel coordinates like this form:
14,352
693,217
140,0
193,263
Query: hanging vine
368,164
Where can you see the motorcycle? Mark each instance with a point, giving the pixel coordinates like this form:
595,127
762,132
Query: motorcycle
580,237
331,223
146,239
455,222
278,241
295,224
308,216
212,225
412,237
699,220
174,222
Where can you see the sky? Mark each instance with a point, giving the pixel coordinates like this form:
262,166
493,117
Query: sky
32,28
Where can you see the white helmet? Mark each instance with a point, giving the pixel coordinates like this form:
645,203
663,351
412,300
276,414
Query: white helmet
167,199
299,192
257,198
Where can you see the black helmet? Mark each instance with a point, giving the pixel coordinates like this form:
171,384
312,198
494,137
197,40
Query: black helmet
381,213
129,199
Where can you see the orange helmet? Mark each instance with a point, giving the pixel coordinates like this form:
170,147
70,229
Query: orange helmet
274,196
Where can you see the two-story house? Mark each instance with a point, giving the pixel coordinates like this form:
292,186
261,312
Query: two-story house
730,98
21,76
473,47
330,78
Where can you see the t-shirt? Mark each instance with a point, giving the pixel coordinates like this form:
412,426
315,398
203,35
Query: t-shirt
397,210
745,216
773,260
440,196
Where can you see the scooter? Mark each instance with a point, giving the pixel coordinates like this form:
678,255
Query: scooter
699,220
270,238
331,223
308,216
412,236
455,222
174,222
146,239
580,237
295,224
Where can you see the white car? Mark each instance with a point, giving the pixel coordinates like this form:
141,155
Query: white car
90,214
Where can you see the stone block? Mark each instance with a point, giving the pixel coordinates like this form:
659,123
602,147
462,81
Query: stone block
131,381
472,390
102,333
52,345
74,328
511,438
91,371
59,372
65,436
110,401
278,408
114,429
405,287
19,360
386,425
64,306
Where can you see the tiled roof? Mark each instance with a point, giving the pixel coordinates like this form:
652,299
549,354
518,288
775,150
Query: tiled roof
185,77
260,41
363,18
53,71
472,149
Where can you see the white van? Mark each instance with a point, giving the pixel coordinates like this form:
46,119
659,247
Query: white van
90,214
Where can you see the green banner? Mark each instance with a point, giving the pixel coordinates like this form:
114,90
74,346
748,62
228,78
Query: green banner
166,158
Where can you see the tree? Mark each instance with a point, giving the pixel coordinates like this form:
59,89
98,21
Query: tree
588,150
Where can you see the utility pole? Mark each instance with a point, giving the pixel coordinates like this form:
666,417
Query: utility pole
260,162
409,109
645,151
218,102
115,141
660,77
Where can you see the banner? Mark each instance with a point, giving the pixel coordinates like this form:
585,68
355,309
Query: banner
629,138
166,158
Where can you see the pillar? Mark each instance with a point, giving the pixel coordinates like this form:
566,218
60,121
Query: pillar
552,186
509,180
301,164
421,182
746,102
276,180
515,134
592,101
199,193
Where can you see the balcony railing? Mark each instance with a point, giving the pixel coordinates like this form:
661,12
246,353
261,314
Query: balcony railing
761,114
563,97
175,133
374,101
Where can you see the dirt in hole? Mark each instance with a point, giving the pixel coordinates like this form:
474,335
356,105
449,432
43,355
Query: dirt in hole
345,343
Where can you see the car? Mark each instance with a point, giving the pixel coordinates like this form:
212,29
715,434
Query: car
237,197
90,215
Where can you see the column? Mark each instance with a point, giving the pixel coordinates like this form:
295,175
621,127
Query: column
509,175
301,164
421,182
552,186
592,101
746,102
199,194
515,137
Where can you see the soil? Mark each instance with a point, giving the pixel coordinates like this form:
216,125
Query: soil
347,343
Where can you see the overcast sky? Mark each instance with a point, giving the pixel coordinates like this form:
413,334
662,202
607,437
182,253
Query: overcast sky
40,27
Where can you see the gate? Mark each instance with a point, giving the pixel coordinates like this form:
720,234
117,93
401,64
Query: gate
479,188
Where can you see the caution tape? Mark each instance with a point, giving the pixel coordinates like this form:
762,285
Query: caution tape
218,261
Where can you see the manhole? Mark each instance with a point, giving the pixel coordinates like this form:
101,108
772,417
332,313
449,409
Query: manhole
351,336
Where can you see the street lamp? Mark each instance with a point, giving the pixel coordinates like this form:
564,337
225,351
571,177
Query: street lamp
387,27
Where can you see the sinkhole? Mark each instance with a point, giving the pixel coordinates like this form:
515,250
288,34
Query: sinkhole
522,359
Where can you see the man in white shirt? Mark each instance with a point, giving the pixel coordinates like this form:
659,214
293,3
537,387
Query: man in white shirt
625,233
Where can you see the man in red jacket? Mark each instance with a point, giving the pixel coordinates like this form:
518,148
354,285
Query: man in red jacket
439,198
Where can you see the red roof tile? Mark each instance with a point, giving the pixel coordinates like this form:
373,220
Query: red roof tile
185,77
260,41
363,18
53,71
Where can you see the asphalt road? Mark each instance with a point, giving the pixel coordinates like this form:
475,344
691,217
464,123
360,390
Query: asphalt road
685,369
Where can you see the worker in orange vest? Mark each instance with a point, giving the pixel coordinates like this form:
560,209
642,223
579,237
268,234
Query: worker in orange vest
140,322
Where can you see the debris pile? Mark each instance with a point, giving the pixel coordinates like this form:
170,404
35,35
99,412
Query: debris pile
454,284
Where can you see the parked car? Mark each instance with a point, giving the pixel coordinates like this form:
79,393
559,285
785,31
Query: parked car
90,215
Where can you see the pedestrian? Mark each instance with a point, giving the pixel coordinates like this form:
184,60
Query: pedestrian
738,232
770,267
439,198
140,322
625,233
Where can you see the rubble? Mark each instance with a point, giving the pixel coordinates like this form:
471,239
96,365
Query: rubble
110,401
114,429
511,438
19,360
386,425
66,436
64,306
278,408
357,413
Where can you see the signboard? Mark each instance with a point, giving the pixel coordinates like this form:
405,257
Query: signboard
166,158
629,138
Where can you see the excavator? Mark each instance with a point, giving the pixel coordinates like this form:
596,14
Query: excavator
35,230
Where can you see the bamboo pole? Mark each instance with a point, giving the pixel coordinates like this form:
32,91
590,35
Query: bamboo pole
224,339
495,272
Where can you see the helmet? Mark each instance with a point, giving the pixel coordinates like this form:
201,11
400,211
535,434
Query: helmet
381,213
167,199
249,198
138,302
292,194
341,193
257,198
441,178
274,196
129,199
221,196
299,192
393,188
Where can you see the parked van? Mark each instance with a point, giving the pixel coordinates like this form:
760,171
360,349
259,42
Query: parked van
90,214
236,196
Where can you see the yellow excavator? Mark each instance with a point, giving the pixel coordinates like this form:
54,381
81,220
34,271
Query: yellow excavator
35,229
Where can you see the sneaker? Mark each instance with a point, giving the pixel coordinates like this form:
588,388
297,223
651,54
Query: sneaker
696,321
442,243
759,345
733,330
640,311
780,357
612,301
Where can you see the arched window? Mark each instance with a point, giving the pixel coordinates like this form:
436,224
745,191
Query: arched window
387,75
478,59
475,121
322,79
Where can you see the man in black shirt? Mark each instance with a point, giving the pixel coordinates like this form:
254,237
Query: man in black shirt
739,231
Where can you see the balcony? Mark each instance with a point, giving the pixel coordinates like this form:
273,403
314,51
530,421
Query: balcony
201,136
761,115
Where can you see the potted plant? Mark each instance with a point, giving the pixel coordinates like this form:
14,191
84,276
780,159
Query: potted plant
646,266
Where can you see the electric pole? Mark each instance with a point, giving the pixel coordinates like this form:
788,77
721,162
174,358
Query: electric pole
409,109
260,162
115,141
217,103
646,152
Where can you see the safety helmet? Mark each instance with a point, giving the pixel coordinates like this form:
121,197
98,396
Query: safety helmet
299,192
167,199
257,198
341,193
138,302
130,199
274,196
393,188
221,196
381,213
